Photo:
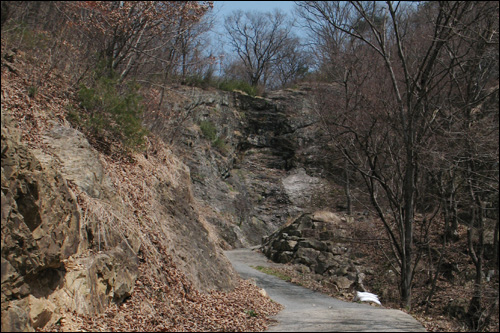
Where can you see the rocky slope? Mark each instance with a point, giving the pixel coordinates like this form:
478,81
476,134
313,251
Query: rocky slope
318,241
77,225
264,163
81,230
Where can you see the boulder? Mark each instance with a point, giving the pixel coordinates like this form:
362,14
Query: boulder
314,244
306,256
285,257
286,245
321,255
326,216
342,282
41,311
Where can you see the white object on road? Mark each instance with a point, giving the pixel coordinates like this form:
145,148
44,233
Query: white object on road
366,297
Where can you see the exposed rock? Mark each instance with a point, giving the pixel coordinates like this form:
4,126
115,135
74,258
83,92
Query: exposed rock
264,164
41,311
306,256
16,318
326,216
301,187
58,254
328,257
313,243
77,161
342,282
41,227
66,235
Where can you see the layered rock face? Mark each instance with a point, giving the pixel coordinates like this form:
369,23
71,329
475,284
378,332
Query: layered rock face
264,162
40,228
318,241
43,232
73,230
72,241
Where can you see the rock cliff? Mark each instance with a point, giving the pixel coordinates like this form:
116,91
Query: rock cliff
82,250
264,162
77,225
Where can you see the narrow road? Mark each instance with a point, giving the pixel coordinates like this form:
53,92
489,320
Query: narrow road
310,311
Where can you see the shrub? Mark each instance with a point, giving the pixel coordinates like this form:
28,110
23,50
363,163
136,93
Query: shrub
201,81
220,144
210,132
113,110
32,91
208,129
230,85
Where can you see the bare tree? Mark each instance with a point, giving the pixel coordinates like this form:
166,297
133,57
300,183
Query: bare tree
293,63
397,90
132,34
258,38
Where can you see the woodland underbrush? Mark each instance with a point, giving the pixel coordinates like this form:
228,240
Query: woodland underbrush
442,310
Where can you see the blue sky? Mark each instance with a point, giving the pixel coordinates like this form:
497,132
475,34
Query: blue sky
226,7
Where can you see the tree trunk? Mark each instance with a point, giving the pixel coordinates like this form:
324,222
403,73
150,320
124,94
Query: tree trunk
407,265
453,230
347,187
495,241
475,312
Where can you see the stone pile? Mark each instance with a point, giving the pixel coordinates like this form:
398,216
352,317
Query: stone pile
318,241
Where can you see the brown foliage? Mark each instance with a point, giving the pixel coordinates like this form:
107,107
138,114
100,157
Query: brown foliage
164,299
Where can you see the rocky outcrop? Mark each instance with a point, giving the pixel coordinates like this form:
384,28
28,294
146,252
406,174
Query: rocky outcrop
265,162
42,228
72,234
70,240
318,241
77,225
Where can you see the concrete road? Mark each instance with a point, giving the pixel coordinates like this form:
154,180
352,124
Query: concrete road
310,311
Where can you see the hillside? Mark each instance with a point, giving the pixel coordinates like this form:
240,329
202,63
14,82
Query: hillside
171,208
82,230
120,193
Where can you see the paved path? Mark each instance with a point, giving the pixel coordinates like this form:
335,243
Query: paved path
310,311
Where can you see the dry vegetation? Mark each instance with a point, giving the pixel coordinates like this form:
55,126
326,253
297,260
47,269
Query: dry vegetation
38,87
175,306
163,298
442,315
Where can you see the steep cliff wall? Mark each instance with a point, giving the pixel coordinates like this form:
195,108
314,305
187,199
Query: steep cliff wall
78,225
254,162
79,228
